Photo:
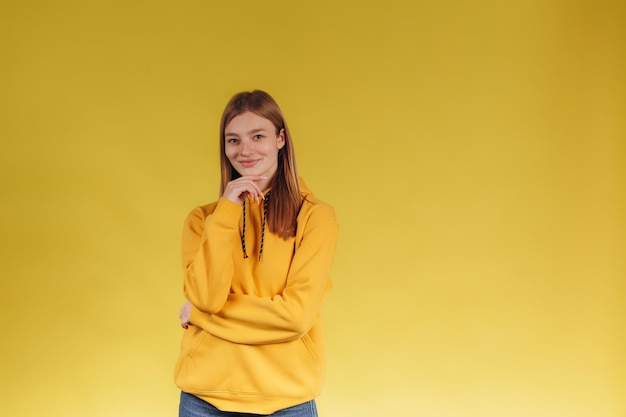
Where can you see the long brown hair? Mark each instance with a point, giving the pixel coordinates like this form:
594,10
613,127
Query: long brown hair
285,200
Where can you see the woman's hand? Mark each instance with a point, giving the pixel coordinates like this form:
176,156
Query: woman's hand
237,190
184,313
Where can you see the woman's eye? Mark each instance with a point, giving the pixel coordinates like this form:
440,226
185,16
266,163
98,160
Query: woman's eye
231,140
257,137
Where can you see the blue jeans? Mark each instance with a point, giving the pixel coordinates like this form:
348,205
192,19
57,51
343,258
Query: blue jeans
192,406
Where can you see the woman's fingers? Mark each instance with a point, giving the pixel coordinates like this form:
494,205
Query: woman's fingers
184,314
249,183
237,190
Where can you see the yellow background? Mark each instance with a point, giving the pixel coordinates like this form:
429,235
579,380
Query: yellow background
474,152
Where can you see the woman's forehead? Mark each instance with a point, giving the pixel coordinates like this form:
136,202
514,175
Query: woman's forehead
247,122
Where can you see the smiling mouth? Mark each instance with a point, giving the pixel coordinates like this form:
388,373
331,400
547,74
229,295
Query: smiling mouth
249,163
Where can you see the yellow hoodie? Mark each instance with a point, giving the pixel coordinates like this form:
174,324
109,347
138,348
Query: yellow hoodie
255,344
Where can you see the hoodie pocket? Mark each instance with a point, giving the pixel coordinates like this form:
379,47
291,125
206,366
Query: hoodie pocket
310,347
196,337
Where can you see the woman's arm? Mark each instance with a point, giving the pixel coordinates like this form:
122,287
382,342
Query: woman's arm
208,264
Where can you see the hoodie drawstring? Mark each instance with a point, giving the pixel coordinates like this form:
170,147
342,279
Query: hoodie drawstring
243,232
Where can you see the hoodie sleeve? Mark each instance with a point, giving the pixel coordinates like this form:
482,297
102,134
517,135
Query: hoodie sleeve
207,263
288,316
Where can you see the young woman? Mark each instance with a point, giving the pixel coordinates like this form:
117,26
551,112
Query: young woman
256,271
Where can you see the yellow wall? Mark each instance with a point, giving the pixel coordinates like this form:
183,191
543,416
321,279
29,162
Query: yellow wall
474,151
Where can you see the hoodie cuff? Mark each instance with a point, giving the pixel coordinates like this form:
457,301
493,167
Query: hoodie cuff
227,212
196,317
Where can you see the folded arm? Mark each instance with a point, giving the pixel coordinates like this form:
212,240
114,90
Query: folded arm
250,319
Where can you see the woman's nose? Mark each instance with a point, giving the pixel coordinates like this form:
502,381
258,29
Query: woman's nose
246,147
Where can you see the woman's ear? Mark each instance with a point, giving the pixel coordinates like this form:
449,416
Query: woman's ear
280,140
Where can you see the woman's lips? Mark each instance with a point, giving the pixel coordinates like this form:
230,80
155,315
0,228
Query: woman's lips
249,163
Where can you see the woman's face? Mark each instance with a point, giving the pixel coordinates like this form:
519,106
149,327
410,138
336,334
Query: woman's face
252,145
